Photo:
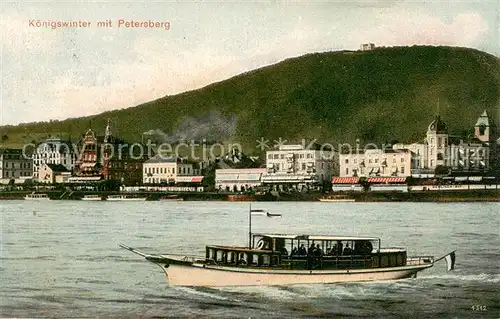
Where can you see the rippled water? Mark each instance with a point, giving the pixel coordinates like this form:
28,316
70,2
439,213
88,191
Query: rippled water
61,259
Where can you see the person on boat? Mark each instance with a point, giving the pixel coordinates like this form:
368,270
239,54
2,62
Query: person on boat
318,257
333,251
302,250
295,251
283,251
347,250
311,249
317,251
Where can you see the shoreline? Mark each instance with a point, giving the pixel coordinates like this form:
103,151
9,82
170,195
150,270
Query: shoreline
415,196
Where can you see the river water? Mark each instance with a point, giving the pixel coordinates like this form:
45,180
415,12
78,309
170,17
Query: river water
62,259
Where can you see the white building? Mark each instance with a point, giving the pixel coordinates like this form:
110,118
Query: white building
53,151
367,46
53,173
238,179
299,166
441,149
160,169
376,162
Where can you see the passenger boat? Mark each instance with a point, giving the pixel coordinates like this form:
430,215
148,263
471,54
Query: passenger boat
125,198
92,197
266,261
336,198
172,198
34,196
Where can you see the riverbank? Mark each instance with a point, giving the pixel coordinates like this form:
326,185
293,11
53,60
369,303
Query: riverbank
420,196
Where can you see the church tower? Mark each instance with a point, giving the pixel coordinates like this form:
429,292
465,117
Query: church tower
437,143
482,129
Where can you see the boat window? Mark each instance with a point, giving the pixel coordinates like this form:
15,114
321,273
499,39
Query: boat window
266,260
384,261
392,260
231,257
255,259
400,260
242,258
221,255
274,260
211,253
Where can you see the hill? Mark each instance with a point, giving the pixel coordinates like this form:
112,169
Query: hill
377,96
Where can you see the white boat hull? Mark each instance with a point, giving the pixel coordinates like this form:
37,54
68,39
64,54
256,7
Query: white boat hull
213,276
92,199
126,199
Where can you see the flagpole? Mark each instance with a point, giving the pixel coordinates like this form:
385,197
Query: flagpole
250,227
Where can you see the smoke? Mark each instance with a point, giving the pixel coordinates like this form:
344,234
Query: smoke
212,126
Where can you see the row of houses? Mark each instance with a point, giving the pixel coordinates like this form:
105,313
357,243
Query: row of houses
439,153
288,167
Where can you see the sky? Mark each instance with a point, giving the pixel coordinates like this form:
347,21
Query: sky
56,73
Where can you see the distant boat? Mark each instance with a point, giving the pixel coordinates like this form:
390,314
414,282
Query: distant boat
125,198
34,196
238,198
336,198
172,198
92,197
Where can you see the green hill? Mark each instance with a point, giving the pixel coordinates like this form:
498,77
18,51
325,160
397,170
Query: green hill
381,95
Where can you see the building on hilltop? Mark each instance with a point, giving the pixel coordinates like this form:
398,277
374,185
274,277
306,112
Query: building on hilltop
367,46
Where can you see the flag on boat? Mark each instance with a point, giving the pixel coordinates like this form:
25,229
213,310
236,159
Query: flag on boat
261,212
450,260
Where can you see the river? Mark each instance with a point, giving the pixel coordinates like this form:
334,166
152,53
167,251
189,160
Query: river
61,259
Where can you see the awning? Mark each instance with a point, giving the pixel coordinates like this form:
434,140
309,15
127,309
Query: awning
386,180
226,177
188,179
249,177
345,180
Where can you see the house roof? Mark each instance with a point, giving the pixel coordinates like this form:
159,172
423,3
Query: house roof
57,168
438,126
10,151
483,119
167,159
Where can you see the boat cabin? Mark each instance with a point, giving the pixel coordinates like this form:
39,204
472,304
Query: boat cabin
279,251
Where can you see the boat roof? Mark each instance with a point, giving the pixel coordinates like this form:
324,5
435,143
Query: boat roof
317,237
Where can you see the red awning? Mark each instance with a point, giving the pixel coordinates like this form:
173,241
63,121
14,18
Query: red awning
197,179
345,180
386,180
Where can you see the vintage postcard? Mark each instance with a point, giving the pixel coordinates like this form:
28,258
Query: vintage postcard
249,159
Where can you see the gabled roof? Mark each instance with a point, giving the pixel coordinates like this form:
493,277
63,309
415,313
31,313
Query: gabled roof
438,126
483,119
57,168
168,159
